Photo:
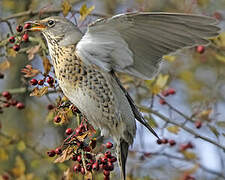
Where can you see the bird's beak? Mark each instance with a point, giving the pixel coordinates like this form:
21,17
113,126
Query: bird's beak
36,26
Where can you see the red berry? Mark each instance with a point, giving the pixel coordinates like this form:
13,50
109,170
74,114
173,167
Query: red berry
19,28
51,153
164,141
112,159
25,37
77,168
6,105
69,131
106,173
79,158
190,145
198,124
27,26
16,47
5,177
172,142
87,149
217,15
41,82
108,154
183,147
103,160
33,82
165,93
162,101
13,102
89,166
1,75
171,91
50,107
20,105
58,151
82,170
109,145
57,119
7,95
50,80
110,166
74,158
12,39
200,49
159,141
95,166
93,143
78,131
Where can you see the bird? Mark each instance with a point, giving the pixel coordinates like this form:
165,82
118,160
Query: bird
132,43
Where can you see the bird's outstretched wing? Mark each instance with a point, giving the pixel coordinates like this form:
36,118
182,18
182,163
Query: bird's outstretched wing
135,42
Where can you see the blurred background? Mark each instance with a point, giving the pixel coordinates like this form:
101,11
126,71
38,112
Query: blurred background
190,120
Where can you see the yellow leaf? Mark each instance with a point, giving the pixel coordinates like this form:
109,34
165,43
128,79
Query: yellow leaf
39,92
3,155
11,52
205,114
82,137
160,83
21,146
4,65
220,58
19,168
29,71
84,11
169,58
173,129
189,155
47,65
66,7
214,130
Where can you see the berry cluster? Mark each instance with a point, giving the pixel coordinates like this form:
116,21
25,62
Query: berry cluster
184,147
82,145
50,80
6,101
21,37
166,141
165,93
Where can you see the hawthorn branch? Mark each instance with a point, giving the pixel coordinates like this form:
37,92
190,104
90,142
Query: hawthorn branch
164,118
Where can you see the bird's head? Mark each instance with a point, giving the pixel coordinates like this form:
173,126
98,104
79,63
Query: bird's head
57,29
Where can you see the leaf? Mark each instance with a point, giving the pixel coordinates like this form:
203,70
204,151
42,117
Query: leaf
19,168
11,52
221,124
160,83
214,130
173,129
46,64
32,51
5,65
66,7
66,155
84,11
189,155
219,57
205,114
39,92
151,121
82,137
169,58
21,146
3,155
29,71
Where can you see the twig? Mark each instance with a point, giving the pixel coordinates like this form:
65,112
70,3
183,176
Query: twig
33,13
164,118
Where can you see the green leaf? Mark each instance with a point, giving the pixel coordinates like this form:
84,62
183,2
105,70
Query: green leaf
84,11
21,146
221,124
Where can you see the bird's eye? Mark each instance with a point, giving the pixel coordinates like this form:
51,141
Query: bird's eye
51,23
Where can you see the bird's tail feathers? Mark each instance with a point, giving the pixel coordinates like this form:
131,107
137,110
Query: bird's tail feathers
122,152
